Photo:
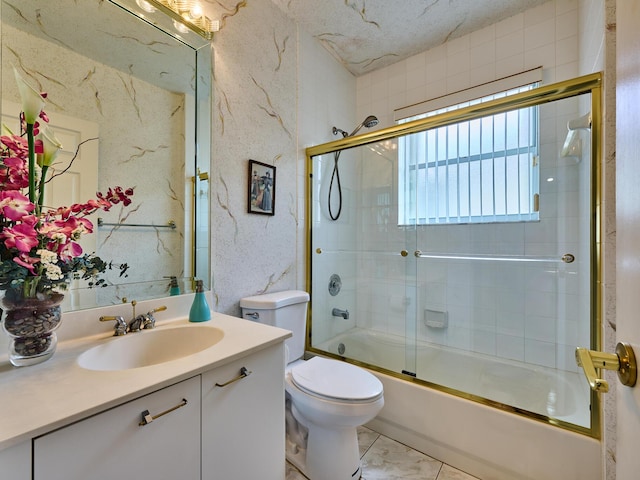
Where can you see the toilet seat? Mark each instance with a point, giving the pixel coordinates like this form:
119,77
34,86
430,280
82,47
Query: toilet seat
335,380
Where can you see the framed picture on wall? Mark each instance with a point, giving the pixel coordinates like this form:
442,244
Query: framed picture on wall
262,188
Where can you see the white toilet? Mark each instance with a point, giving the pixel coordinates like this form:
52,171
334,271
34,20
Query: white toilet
326,400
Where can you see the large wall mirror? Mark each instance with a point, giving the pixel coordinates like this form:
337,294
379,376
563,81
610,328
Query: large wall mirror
130,96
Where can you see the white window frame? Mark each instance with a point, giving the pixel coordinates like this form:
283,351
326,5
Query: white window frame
448,175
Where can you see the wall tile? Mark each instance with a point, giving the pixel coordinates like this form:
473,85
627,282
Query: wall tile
509,25
510,45
540,34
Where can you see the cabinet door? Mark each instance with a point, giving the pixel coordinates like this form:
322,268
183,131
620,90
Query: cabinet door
243,421
15,462
114,445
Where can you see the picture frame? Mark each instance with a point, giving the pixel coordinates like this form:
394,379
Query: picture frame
262,188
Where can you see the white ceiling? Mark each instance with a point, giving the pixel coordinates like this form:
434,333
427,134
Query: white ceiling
365,35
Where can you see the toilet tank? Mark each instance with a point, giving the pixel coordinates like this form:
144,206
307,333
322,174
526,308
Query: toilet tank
287,309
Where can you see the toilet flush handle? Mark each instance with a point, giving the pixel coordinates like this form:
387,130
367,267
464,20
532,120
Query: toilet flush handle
252,315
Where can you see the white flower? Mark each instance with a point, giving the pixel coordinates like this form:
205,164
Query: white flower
53,272
50,146
59,237
47,257
32,101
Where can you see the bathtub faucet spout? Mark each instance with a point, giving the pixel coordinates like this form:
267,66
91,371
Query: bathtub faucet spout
336,312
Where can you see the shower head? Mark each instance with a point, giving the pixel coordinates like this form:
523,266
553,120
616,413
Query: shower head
368,122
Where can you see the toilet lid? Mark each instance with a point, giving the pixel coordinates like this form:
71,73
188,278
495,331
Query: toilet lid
335,379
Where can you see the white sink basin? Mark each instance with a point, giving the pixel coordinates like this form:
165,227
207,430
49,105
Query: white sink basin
150,347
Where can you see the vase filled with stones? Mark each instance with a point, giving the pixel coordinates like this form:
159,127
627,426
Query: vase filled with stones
30,324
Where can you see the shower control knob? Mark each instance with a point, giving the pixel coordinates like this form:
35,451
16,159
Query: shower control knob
335,284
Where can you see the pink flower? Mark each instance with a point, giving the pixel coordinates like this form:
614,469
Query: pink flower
38,146
15,175
16,144
116,196
15,205
69,251
56,231
84,225
27,262
23,237
30,220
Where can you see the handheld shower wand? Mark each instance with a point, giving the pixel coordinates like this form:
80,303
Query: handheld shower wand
370,121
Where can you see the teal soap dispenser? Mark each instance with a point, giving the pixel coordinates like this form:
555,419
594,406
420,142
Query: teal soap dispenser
199,308
174,288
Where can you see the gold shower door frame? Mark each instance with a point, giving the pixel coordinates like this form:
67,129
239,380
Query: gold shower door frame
588,84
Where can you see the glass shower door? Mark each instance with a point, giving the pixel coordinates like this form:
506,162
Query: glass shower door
474,268
505,289
360,262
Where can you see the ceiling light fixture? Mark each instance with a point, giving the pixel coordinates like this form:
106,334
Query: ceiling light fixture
187,13
146,6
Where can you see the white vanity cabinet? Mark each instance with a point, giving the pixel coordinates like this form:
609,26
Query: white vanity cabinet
15,462
114,445
243,418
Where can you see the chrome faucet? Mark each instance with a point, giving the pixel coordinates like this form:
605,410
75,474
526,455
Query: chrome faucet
121,325
143,321
336,312
137,323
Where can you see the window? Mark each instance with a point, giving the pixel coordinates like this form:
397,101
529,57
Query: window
478,171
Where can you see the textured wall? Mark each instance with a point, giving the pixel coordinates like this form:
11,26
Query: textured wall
276,92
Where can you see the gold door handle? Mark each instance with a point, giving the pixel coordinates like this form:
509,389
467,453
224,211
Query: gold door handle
624,361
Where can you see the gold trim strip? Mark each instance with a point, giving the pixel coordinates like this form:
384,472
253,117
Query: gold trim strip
537,96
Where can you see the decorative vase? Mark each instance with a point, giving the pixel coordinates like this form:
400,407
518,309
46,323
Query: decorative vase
31,324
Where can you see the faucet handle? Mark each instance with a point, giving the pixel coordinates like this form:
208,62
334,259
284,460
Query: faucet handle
120,327
158,309
149,320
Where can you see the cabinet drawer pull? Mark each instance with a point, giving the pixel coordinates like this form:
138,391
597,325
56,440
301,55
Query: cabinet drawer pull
243,373
147,418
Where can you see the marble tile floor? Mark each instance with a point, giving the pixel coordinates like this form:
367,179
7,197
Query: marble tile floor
386,459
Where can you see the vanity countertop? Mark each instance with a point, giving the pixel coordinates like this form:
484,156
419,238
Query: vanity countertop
40,398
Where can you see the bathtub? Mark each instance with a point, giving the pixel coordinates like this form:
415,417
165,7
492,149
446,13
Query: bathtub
487,442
